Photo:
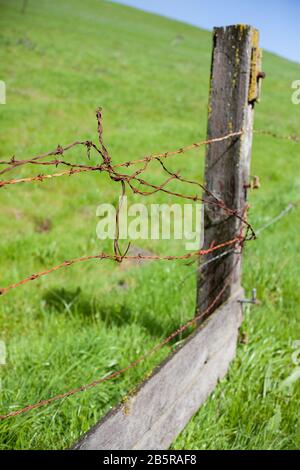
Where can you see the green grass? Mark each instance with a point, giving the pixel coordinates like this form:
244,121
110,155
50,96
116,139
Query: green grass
60,61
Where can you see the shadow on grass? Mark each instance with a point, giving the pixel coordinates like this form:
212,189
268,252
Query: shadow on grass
77,303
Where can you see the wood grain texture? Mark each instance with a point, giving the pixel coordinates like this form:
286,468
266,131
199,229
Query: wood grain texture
227,163
162,406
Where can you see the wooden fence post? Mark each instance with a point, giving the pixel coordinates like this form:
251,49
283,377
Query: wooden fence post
234,88
163,404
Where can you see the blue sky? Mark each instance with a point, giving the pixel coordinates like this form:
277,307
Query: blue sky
277,20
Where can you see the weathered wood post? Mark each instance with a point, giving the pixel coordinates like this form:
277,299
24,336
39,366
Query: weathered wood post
160,408
234,88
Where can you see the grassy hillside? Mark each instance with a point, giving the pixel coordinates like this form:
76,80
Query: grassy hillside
60,61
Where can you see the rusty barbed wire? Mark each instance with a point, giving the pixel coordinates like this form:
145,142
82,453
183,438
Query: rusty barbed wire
231,251
107,166
181,329
275,135
158,346
129,179
118,257
79,168
13,163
